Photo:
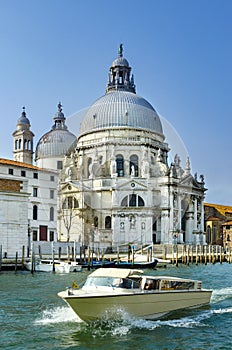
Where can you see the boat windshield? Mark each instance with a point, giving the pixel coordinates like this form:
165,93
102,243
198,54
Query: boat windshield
111,282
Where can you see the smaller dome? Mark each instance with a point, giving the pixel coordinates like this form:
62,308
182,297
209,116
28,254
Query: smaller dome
120,61
57,141
23,119
54,143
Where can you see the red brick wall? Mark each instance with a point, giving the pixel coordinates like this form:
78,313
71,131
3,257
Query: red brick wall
10,185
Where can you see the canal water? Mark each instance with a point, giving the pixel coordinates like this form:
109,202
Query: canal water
32,316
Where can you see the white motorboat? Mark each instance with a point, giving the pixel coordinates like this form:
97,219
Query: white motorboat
49,265
108,290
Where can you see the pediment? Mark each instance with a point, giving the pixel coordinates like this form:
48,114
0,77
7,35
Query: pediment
70,187
132,184
190,181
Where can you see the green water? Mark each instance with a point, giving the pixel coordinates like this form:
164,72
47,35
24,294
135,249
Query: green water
32,316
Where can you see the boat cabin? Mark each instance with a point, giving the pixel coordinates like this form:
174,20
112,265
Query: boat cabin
133,279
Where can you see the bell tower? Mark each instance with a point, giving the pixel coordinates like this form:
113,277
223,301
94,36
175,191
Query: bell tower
23,140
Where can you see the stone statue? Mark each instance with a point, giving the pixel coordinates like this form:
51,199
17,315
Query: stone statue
132,170
113,167
120,50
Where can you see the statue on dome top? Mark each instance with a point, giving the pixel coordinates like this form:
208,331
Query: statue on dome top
59,107
120,50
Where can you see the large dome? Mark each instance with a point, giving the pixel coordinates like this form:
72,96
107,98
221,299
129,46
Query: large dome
57,141
121,108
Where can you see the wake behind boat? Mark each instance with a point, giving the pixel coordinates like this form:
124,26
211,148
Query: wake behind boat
148,297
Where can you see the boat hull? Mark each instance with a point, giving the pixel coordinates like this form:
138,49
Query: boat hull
48,267
147,305
136,265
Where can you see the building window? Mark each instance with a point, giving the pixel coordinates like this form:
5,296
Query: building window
95,221
70,202
52,178
140,201
134,165
11,171
51,236
51,194
23,173
35,192
34,235
108,222
133,200
120,165
208,234
51,214
35,212
59,164
75,203
35,175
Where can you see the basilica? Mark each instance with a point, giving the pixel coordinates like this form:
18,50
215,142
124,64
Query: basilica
111,185
116,185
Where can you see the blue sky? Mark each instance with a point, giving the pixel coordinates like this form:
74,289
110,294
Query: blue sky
180,52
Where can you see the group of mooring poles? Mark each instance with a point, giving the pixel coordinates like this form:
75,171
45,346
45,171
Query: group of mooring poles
200,254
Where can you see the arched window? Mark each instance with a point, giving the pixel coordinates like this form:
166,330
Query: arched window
108,222
35,212
16,144
29,145
20,141
25,144
70,203
133,200
120,165
134,165
51,214
124,202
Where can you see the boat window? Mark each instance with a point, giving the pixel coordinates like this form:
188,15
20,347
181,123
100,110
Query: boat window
99,281
179,285
111,282
151,284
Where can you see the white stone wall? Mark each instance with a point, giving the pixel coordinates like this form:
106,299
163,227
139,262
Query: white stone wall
13,223
17,207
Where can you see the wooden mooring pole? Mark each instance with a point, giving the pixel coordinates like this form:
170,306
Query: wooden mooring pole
16,261
196,254
176,255
0,257
23,256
